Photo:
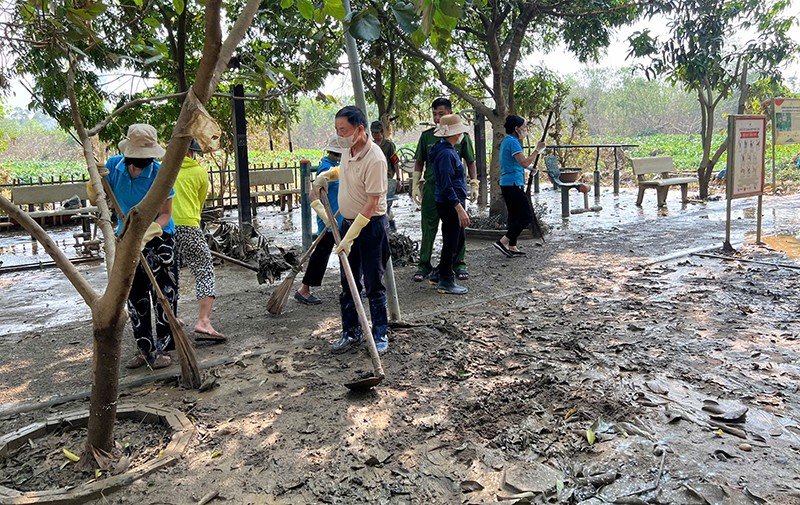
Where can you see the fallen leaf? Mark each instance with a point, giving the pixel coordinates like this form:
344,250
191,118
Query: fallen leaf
71,455
590,436
216,454
657,387
569,414
468,486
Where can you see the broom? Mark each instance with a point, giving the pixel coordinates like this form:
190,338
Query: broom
190,371
277,301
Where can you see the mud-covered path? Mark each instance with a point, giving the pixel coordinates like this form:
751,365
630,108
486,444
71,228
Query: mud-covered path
598,334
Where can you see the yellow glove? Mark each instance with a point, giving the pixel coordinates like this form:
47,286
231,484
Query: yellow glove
474,189
320,210
416,188
153,231
322,180
352,233
91,193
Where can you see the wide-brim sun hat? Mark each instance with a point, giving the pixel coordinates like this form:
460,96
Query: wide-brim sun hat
142,142
333,145
450,125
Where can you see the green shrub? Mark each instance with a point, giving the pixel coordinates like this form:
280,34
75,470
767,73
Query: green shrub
34,170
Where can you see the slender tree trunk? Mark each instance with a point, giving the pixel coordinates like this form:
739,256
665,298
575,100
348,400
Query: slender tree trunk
497,206
107,336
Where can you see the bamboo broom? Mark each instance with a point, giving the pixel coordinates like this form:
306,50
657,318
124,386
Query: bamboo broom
190,371
277,301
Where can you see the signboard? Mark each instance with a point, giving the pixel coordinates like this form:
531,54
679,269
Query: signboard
787,120
748,135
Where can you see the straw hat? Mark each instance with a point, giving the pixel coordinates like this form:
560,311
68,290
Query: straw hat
450,125
333,145
142,142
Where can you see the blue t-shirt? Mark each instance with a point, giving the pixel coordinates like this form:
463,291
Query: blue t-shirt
451,185
511,172
333,192
130,191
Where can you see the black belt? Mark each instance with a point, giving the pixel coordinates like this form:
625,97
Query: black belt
373,218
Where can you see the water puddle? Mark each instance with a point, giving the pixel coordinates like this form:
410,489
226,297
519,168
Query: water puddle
787,244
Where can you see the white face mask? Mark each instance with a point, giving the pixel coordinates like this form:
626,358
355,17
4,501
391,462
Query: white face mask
347,142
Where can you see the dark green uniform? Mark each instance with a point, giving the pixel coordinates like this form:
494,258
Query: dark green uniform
430,217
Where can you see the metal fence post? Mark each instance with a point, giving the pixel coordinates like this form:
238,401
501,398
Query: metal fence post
242,164
305,205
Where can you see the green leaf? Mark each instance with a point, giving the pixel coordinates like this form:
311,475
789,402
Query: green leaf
450,8
138,3
366,27
153,59
406,16
80,13
97,8
590,436
285,4
289,76
152,22
334,8
306,9
179,5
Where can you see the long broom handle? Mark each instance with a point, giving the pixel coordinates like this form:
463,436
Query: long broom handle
536,160
142,260
348,273
310,250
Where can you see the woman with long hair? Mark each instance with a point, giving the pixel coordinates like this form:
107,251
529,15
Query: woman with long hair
513,164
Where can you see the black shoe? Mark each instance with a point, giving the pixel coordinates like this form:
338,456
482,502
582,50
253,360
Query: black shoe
311,300
346,343
503,249
517,253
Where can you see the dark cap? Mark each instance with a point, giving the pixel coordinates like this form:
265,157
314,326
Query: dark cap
376,126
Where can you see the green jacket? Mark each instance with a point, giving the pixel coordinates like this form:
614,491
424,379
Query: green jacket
427,140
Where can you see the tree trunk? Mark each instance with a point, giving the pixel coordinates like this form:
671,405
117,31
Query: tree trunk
107,336
497,206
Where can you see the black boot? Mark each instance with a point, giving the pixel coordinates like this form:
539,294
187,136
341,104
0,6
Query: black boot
447,285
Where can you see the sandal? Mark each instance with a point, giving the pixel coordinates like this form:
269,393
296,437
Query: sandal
420,275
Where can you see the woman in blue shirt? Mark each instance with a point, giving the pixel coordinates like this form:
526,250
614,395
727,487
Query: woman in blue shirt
513,164
318,261
450,195
130,177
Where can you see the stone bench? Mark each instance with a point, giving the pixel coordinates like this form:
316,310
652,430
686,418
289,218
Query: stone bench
665,177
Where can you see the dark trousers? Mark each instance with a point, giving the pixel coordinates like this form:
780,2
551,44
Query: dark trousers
519,211
160,255
367,259
318,262
452,239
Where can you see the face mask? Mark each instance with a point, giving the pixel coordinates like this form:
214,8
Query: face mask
347,142
460,138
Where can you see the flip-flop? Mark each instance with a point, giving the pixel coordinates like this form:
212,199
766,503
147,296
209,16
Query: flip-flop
420,275
503,249
211,337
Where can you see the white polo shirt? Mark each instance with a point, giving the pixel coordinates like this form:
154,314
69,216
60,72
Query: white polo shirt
360,177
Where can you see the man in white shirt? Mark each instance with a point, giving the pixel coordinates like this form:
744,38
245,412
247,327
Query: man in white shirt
365,227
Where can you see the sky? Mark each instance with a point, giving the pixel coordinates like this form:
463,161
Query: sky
559,61
563,63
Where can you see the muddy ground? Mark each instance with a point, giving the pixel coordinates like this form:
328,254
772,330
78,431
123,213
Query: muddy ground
681,369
